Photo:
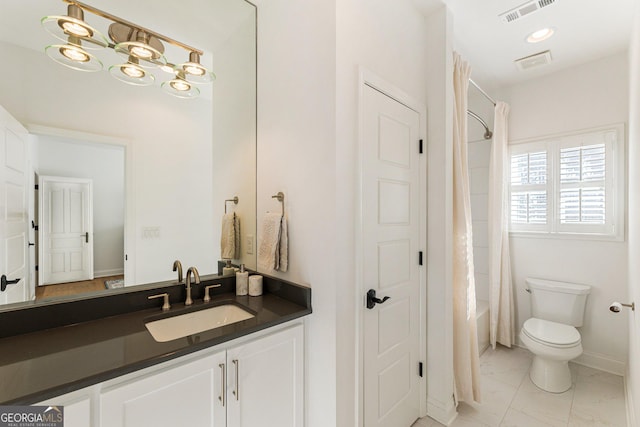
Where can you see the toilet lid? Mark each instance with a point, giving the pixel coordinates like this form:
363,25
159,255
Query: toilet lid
551,333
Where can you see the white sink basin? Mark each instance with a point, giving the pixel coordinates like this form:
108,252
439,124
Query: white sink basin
175,327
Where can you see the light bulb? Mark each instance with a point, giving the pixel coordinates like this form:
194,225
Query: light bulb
180,85
194,69
75,29
132,71
73,54
141,52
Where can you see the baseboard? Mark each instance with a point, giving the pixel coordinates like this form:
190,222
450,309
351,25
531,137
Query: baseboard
105,273
628,397
444,413
602,362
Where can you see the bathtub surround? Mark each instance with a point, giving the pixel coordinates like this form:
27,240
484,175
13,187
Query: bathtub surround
501,307
465,349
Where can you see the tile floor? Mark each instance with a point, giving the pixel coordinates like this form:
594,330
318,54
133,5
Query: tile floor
511,399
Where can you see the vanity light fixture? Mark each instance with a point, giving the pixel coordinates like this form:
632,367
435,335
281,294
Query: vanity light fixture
540,35
140,47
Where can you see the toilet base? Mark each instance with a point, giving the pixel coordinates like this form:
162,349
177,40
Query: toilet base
550,375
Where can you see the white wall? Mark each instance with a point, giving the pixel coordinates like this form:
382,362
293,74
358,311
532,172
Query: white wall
297,155
172,152
440,381
633,373
388,39
586,96
104,165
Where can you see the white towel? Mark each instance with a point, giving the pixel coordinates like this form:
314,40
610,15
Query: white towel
228,237
273,252
236,243
283,261
269,248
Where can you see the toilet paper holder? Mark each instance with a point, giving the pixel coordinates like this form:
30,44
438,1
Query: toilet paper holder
617,306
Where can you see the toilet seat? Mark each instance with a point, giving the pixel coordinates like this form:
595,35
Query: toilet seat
551,334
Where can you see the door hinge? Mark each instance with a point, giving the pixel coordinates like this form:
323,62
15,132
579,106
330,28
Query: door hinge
36,268
420,258
421,147
36,186
126,257
420,369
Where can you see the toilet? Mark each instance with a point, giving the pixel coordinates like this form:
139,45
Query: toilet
551,335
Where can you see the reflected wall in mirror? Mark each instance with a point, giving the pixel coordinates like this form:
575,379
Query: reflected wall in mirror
182,158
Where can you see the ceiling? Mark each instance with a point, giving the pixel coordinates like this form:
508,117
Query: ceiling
585,30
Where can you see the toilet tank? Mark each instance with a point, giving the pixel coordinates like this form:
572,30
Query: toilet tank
560,302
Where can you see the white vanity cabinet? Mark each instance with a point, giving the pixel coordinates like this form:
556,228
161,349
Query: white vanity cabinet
184,395
265,381
256,383
77,407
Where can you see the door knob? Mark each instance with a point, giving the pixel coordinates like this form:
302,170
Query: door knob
372,300
4,282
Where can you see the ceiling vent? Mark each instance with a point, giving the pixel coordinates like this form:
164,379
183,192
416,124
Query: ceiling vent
536,60
524,9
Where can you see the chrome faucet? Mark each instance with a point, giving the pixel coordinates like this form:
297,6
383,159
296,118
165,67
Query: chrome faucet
177,265
196,277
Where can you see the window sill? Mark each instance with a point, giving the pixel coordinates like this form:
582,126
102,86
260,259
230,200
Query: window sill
566,236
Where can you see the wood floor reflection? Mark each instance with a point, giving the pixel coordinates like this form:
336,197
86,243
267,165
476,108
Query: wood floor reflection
60,289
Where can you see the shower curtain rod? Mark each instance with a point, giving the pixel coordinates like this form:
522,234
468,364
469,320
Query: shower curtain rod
487,132
483,92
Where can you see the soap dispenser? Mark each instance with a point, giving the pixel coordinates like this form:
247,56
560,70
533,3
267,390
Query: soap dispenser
242,281
228,268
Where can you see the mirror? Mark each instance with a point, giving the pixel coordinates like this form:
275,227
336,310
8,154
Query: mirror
182,157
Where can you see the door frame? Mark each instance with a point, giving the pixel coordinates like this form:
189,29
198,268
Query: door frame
129,207
368,78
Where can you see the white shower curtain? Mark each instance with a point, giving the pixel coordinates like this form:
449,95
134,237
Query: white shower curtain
466,363
501,325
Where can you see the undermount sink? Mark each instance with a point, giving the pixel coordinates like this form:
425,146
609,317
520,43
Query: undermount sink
183,325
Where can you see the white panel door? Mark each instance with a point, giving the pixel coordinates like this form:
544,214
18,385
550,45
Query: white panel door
66,230
390,205
265,383
13,209
189,395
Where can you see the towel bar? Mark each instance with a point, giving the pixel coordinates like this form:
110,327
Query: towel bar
280,197
234,200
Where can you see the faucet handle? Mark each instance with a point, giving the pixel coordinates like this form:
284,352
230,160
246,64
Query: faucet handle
166,306
207,298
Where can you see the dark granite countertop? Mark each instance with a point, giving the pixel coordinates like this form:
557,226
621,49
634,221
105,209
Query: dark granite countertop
41,364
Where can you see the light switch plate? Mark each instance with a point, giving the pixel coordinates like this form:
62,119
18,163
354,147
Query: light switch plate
249,244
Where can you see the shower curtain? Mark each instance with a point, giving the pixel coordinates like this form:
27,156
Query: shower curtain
466,362
501,313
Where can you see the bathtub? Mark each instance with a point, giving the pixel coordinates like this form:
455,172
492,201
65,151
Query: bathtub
482,319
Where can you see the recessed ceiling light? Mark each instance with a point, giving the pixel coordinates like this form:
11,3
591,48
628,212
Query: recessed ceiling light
540,35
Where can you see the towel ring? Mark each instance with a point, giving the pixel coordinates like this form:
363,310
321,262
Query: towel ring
280,197
234,200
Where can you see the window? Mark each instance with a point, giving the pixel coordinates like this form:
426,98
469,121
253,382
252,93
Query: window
570,184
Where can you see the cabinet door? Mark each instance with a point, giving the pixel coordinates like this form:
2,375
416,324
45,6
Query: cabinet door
77,407
187,395
265,381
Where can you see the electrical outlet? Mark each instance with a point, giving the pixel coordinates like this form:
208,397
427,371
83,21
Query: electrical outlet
249,244
150,232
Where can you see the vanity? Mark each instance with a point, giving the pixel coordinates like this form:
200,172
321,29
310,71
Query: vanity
102,364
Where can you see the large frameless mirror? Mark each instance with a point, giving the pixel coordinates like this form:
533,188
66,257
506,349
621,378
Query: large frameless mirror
162,170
